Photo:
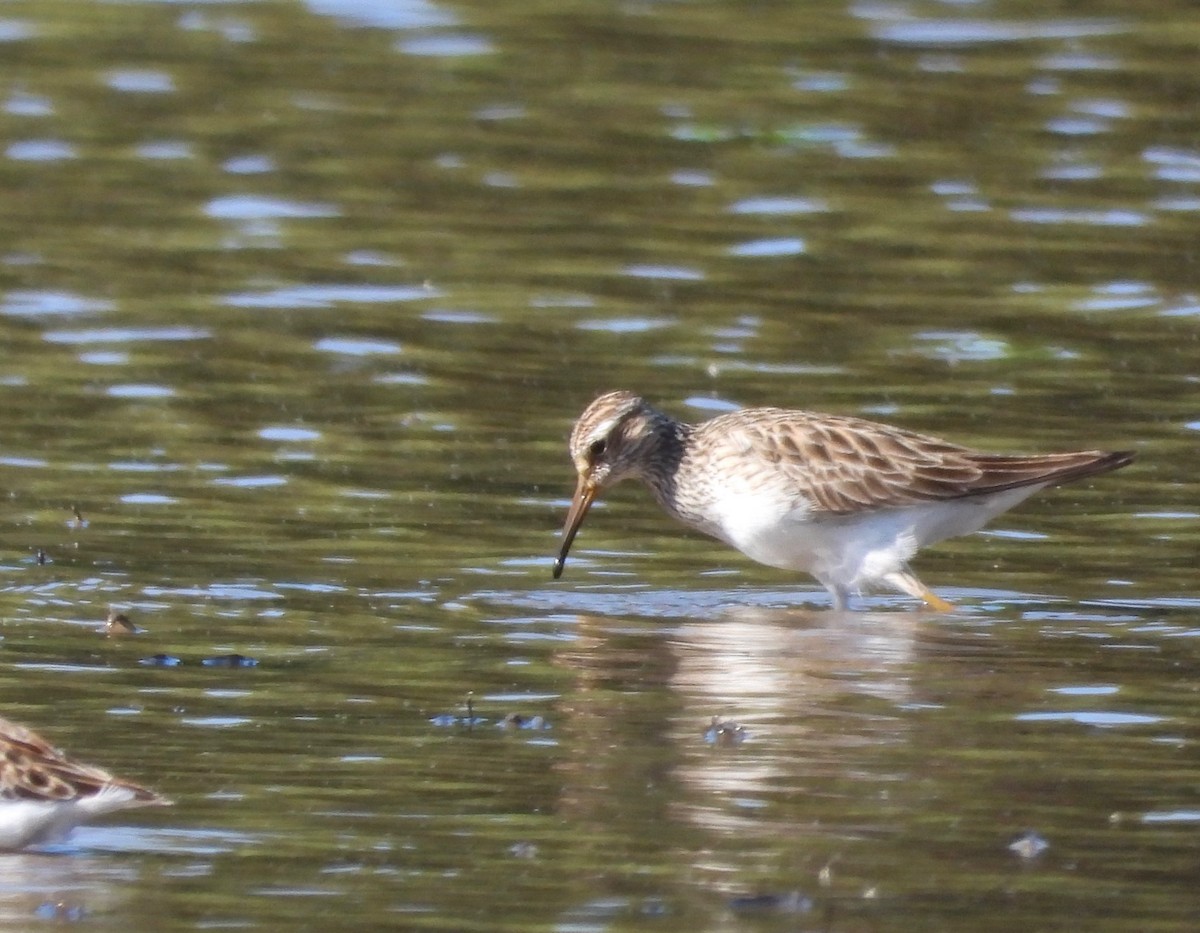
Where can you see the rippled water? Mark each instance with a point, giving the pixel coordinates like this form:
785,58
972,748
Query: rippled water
298,304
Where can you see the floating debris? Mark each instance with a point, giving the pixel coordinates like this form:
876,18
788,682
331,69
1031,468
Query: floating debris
654,907
445,720
525,850
119,624
1029,846
792,902
517,721
723,733
77,520
161,660
470,720
60,911
230,660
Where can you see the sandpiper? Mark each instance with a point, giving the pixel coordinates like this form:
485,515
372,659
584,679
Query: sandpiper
44,794
118,624
844,499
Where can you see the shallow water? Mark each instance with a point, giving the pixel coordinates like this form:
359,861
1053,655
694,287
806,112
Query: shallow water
299,302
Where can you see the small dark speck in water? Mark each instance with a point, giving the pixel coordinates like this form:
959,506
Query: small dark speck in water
77,520
793,902
725,734
42,556
161,660
1029,846
230,660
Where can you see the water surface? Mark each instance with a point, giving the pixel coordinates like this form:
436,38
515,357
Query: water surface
298,304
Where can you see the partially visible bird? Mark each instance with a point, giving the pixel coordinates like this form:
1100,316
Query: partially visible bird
44,794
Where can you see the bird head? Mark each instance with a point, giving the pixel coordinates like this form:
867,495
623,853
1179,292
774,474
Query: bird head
608,444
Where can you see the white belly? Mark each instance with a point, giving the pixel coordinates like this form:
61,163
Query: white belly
846,551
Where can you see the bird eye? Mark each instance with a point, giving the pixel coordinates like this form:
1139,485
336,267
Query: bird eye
597,448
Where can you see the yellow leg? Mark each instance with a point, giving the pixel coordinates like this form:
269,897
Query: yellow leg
907,582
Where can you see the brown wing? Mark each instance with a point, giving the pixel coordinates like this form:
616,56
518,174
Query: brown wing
843,465
33,769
